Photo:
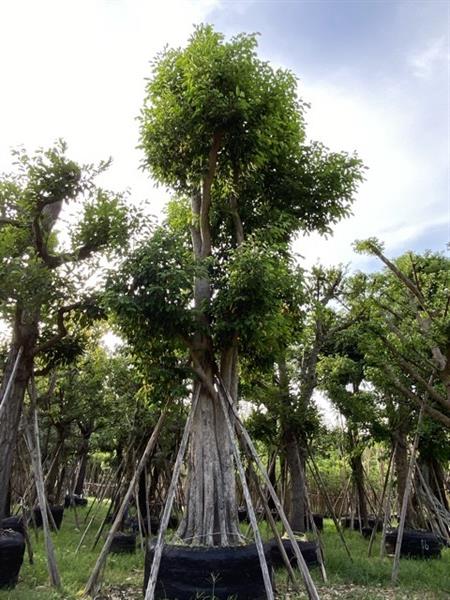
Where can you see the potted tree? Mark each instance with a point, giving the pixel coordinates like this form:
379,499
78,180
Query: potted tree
225,131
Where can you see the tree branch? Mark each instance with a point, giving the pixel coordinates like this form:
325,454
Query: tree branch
416,376
62,330
205,229
437,415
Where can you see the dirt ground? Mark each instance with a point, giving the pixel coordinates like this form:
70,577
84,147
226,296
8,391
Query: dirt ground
341,592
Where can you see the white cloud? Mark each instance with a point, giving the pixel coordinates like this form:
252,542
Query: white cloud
402,194
76,70
433,56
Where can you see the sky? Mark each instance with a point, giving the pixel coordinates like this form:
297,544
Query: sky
375,73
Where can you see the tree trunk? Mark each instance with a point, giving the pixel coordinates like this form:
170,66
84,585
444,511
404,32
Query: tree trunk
438,479
83,454
401,469
297,496
211,513
211,516
358,478
52,475
296,492
10,419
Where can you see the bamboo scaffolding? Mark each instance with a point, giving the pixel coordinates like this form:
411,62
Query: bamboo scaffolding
309,584
151,586
91,586
32,437
409,481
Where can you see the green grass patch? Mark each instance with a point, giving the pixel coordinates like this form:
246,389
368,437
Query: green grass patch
362,579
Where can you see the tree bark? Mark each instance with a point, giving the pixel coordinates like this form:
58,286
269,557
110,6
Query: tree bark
358,478
401,469
9,424
211,513
83,454
297,495
296,492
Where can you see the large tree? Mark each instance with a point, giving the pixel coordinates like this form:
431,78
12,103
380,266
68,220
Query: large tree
226,132
41,283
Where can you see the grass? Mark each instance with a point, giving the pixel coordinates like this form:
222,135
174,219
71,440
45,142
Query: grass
362,579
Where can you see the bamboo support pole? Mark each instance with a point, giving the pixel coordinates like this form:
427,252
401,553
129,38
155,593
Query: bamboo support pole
319,549
249,503
273,526
27,535
91,586
114,497
150,591
10,382
408,486
321,486
147,503
381,505
429,494
32,436
97,508
309,584
139,517
387,514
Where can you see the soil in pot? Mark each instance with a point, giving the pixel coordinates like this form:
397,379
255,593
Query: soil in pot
188,572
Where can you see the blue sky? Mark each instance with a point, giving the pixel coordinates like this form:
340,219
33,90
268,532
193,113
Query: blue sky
376,75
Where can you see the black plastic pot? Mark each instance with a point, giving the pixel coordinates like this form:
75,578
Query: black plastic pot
318,521
415,544
14,523
357,525
243,514
123,543
308,550
57,512
189,572
12,548
74,500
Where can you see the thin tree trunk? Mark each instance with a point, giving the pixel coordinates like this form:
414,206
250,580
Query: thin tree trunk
358,478
32,433
10,419
83,454
296,512
401,470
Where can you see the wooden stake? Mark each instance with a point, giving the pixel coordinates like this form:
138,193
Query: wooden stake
273,526
320,484
150,591
35,453
408,486
380,508
248,501
91,586
309,584
10,382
